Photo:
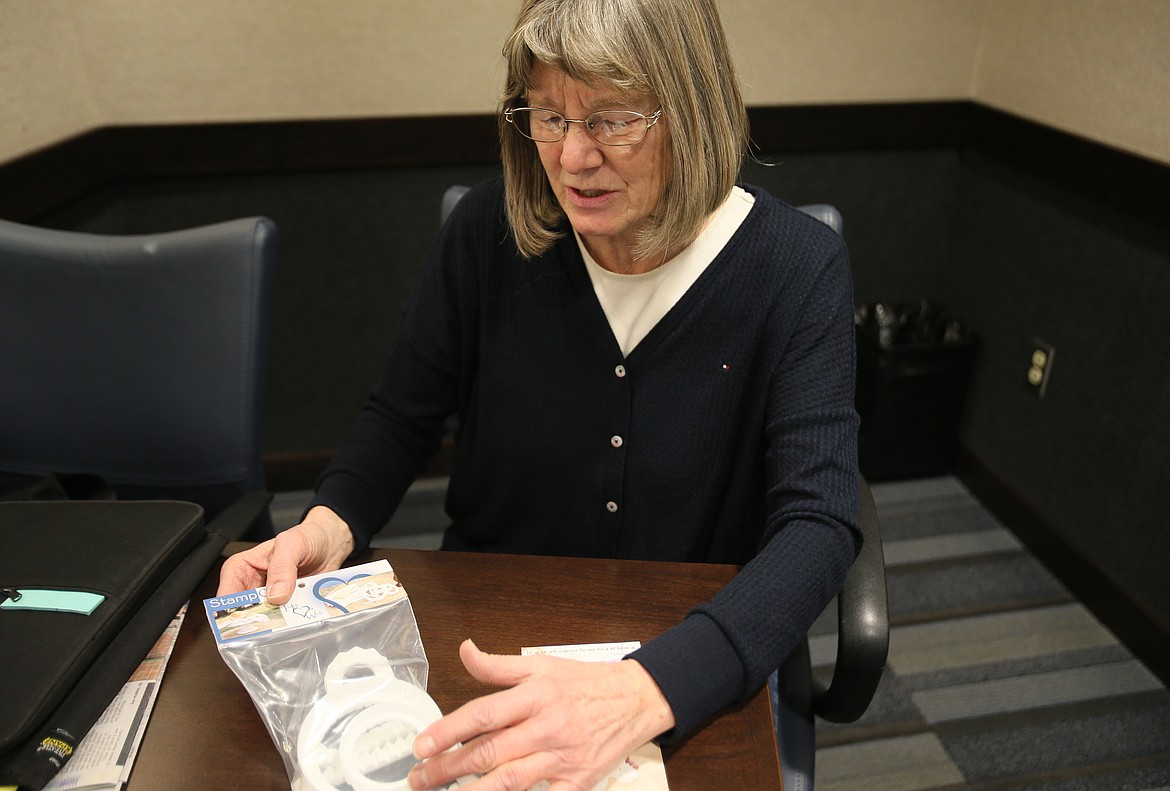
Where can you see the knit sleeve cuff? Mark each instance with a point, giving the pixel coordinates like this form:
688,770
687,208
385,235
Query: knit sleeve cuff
354,504
697,669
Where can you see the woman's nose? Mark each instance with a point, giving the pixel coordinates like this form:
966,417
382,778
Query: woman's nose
579,151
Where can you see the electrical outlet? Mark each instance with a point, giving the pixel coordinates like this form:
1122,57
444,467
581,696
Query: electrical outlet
1040,367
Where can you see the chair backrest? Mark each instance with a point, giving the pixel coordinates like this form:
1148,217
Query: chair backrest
138,358
450,197
827,214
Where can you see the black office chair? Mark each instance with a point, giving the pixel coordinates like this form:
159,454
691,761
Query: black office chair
451,196
863,640
139,359
863,626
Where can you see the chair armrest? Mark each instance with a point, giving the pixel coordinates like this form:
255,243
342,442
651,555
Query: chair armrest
233,522
863,639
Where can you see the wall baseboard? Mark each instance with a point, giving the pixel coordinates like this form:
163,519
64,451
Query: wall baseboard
1144,632
849,127
48,179
1112,178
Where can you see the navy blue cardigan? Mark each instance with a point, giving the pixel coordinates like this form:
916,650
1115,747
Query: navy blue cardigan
727,435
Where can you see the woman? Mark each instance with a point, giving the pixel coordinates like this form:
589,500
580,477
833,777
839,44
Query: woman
647,361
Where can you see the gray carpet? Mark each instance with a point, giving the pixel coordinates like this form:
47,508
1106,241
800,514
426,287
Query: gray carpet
997,678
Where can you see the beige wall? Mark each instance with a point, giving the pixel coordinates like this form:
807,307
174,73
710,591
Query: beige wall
44,93
830,51
1098,68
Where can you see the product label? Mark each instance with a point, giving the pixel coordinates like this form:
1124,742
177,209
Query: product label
328,595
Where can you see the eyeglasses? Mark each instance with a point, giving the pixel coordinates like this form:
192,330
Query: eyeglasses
608,127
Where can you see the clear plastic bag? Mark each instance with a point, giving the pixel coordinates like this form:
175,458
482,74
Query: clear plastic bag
338,675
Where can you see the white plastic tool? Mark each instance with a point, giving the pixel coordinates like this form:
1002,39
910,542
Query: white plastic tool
358,736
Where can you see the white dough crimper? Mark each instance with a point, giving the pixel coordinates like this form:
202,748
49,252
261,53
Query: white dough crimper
359,734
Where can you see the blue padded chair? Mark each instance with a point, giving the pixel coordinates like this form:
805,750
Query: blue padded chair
863,626
139,359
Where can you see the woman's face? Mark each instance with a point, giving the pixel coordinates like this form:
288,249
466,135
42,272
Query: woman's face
607,192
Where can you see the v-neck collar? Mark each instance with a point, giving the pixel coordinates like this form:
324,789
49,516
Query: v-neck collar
673,320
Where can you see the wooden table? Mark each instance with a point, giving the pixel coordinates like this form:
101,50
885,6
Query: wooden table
205,732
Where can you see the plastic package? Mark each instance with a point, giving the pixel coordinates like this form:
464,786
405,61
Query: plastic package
338,675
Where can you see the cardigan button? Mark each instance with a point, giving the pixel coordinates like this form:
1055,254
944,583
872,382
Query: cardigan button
611,506
619,371
616,441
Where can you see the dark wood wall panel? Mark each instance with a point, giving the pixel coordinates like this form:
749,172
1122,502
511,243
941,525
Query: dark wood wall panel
49,178
41,181
1020,227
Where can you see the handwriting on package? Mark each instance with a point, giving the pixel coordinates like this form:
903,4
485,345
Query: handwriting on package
248,613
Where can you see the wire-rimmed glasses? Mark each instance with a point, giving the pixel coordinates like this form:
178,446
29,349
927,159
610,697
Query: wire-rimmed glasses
608,127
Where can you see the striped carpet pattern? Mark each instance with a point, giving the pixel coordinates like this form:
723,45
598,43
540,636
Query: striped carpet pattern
997,677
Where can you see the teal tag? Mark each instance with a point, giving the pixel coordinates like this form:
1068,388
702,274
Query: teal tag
57,601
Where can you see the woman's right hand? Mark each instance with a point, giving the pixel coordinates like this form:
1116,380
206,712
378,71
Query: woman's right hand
320,543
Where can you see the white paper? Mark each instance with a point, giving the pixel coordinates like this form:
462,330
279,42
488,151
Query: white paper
643,769
105,756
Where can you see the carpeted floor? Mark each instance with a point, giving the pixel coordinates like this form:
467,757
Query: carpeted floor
997,678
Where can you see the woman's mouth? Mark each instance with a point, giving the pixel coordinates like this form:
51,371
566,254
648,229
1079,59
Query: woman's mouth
588,198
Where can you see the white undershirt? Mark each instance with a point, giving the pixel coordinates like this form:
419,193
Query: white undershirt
635,303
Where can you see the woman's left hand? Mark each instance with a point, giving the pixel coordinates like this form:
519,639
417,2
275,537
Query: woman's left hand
560,720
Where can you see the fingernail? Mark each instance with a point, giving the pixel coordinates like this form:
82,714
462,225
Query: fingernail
416,778
277,589
424,747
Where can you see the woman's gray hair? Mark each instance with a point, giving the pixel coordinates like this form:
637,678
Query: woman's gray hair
673,49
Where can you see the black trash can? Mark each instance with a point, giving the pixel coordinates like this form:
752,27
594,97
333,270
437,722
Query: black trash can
914,365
